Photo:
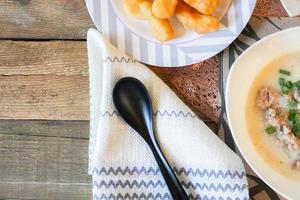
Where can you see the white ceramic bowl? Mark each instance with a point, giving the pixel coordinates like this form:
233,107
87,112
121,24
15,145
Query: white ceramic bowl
241,76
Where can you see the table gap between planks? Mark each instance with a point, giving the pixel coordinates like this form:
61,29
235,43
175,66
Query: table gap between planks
44,97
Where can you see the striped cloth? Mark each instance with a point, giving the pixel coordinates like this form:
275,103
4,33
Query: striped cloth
257,28
121,164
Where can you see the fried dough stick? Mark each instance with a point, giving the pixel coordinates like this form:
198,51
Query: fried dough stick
192,20
164,9
206,7
140,9
161,29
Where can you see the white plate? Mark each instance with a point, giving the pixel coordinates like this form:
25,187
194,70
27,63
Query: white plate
133,38
292,7
240,78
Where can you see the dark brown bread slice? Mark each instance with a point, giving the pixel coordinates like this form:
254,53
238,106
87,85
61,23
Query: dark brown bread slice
269,8
196,85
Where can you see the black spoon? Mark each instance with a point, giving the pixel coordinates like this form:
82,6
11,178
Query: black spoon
133,103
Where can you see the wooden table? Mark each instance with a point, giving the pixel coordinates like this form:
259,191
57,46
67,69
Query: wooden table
44,96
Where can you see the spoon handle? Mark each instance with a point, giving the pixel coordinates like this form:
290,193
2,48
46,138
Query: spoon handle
175,187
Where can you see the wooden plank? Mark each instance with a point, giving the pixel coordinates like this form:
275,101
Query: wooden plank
45,159
44,191
47,128
67,19
55,57
44,80
44,97
26,158
48,97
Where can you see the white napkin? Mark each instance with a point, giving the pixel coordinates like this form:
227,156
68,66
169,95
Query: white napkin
120,162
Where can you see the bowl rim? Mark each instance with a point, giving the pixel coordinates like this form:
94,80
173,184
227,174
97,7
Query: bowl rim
229,79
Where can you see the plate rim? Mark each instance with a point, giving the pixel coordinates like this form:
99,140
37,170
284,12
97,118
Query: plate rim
159,62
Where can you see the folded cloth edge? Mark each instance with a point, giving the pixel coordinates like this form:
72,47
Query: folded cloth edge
105,51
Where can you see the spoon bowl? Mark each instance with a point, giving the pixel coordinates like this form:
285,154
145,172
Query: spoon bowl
133,103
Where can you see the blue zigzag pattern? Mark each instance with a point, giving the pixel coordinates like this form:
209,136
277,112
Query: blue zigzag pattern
210,173
182,171
110,114
216,188
158,112
159,196
127,183
175,114
119,60
126,170
152,184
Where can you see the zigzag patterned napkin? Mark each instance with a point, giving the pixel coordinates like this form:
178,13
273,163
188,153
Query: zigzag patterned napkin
120,162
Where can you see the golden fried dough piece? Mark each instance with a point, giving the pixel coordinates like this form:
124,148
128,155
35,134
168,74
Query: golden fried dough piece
206,7
164,9
195,21
161,29
140,9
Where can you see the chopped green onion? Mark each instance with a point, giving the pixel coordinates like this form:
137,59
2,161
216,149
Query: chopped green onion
296,127
297,120
284,72
281,81
294,118
297,84
285,92
297,134
285,89
270,130
289,84
292,114
293,103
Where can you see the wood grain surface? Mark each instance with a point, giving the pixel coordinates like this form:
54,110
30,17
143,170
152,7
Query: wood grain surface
44,96
44,191
44,160
64,58
42,19
43,80
49,80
